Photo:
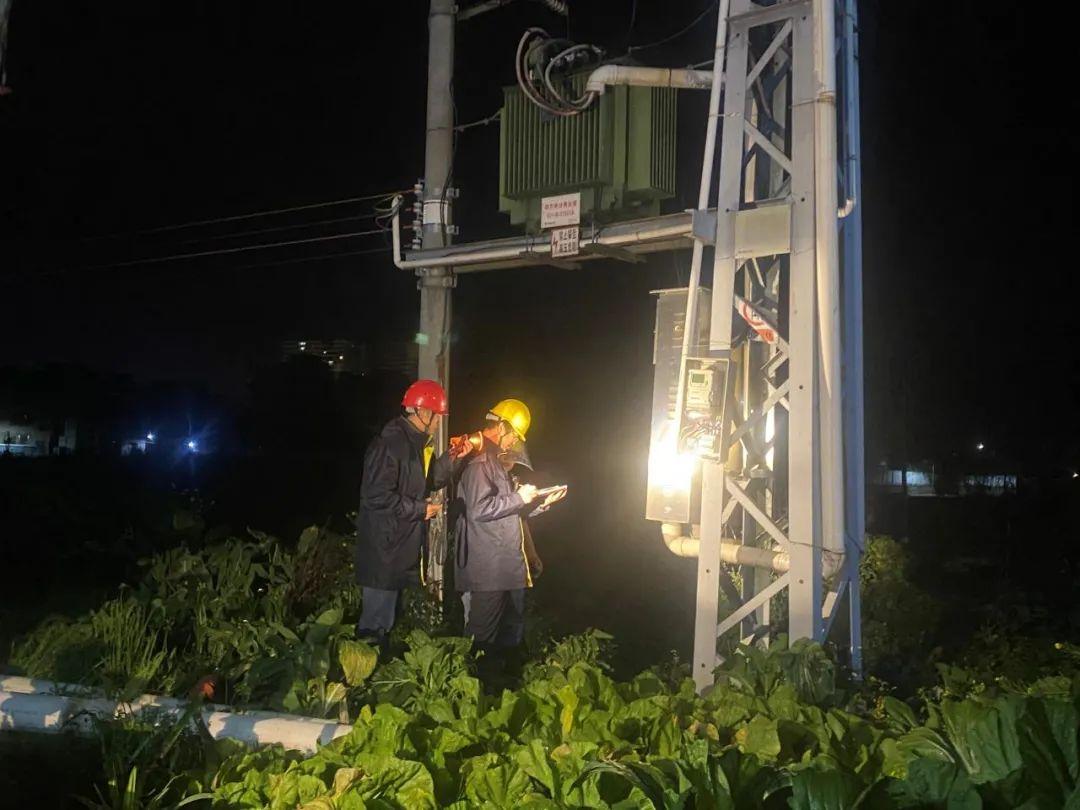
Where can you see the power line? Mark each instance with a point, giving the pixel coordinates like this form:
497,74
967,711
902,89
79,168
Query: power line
251,215
223,251
297,260
481,122
678,33
274,229
385,249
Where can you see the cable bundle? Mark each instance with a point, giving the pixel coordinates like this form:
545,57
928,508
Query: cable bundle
543,72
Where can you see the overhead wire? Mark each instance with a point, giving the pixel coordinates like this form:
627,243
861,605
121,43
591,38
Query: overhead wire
277,228
672,37
301,259
225,251
296,260
479,123
250,215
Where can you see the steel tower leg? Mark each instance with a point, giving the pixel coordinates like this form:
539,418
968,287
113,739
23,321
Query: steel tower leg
769,485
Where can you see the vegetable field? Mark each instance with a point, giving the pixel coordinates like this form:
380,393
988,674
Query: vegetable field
252,624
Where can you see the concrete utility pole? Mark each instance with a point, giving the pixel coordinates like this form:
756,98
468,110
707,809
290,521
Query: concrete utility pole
436,283
5,16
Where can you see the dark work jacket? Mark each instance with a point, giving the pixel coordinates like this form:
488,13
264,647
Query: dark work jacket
390,526
490,550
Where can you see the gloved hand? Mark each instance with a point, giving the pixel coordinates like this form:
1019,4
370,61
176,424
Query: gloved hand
527,493
461,446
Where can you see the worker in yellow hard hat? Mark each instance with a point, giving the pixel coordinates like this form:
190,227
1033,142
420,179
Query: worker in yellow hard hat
492,545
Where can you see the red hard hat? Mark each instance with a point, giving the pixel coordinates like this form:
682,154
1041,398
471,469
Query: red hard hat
426,394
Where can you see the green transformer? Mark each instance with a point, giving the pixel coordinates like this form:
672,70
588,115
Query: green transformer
620,154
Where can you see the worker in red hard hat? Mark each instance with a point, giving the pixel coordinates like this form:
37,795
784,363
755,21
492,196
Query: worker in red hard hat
400,476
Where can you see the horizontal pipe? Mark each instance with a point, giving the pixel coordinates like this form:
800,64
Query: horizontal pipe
681,545
39,686
655,229
55,713
611,75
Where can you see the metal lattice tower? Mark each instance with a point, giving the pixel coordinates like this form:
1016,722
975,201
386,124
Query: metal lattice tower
779,483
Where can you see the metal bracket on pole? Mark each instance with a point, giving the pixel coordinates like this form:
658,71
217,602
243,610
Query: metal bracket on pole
703,225
444,280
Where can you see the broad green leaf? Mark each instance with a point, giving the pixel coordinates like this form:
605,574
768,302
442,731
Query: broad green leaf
823,790
667,742
934,783
357,660
760,738
351,801
899,714
984,737
534,760
408,783
744,779
329,618
503,786
1048,746
294,788
308,538
568,700
645,779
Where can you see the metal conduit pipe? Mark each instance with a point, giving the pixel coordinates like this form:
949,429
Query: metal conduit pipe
682,545
56,713
678,542
525,246
611,75
828,280
851,111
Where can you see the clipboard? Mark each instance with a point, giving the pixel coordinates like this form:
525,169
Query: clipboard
543,493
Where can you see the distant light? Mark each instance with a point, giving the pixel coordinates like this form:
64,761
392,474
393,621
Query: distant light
149,437
1076,475
980,447
192,445
341,357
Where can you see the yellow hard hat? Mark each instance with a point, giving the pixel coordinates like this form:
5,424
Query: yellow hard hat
516,413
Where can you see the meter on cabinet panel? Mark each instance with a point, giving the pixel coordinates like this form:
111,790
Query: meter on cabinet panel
702,424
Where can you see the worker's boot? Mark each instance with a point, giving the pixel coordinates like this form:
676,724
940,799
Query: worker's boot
379,639
489,666
514,658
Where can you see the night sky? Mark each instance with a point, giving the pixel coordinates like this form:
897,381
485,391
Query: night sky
127,116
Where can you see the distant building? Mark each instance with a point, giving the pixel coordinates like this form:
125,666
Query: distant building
924,480
988,485
23,438
346,357
915,480
342,356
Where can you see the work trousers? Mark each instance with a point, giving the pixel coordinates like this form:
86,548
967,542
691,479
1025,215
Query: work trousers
377,613
495,618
